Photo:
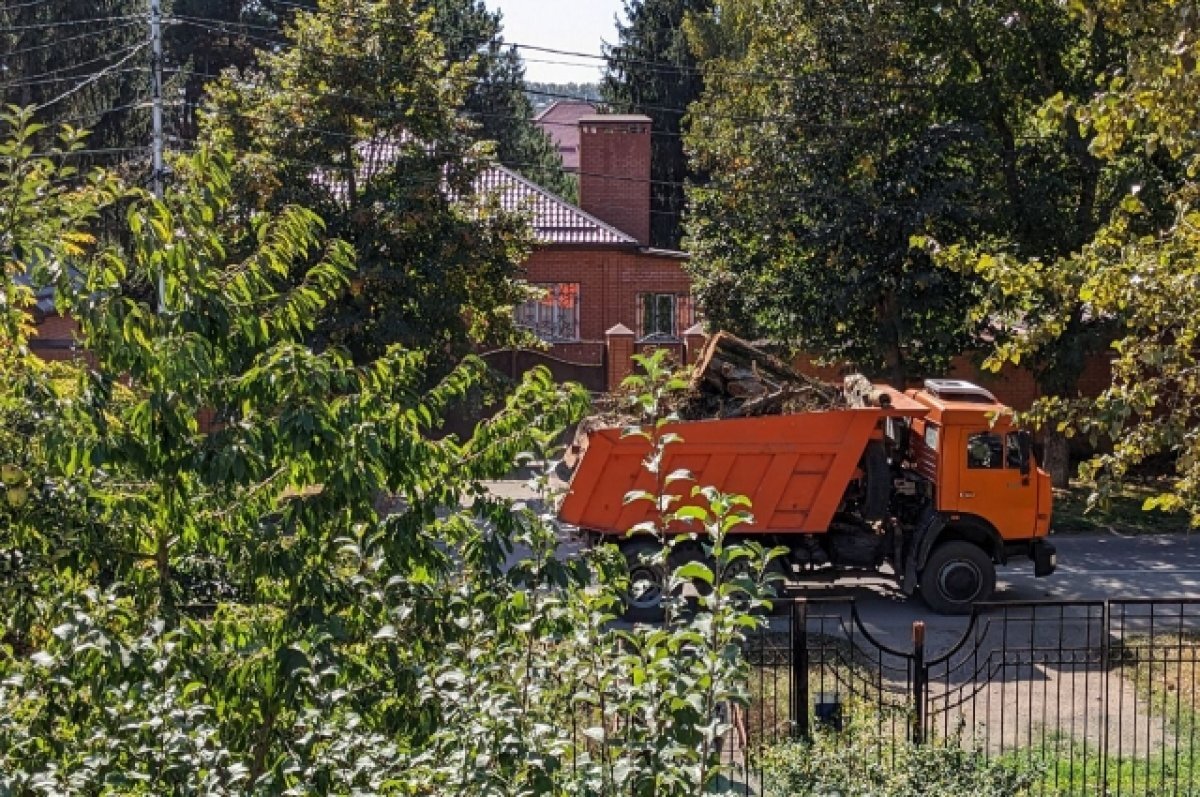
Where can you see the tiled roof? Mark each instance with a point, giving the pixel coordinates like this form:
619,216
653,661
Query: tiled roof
560,121
554,219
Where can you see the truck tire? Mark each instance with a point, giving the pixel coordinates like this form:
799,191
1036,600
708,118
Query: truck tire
647,581
957,575
877,494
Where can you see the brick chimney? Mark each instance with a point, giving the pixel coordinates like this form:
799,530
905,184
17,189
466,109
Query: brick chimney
614,171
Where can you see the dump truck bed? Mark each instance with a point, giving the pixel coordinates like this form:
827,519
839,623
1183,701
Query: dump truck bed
794,468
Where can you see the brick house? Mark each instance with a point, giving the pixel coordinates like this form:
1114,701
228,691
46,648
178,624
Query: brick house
54,334
560,121
608,294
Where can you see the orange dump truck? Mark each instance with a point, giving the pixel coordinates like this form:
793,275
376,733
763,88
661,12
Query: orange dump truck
935,486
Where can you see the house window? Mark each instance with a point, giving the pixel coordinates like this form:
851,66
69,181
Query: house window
555,315
663,315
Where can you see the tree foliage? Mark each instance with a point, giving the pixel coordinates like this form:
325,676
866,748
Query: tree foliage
653,71
235,565
1136,270
357,120
81,64
822,163
879,123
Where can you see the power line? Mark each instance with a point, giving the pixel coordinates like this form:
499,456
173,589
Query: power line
73,153
789,123
65,22
68,40
44,78
91,79
468,80
20,6
211,23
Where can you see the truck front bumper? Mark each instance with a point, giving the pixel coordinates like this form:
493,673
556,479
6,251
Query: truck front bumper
1044,556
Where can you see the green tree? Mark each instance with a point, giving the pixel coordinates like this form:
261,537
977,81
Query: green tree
822,162
653,71
1050,192
311,596
1135,270
358,121
234,577
496,100
83,64
880,123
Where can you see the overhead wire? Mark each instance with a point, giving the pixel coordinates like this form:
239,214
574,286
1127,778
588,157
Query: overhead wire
791,123
44,78
644,108
20,6
215,24
65,22
89,81
238,28
68,40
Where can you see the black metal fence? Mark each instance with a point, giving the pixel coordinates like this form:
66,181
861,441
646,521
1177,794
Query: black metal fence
1097,698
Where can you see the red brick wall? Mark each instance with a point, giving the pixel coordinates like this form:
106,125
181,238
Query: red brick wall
1013,385
54,338
614,172
610,281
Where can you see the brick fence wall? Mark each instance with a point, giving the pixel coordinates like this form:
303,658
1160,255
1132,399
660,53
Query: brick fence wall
1012,385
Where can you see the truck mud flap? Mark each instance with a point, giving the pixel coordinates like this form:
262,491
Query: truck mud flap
1045,558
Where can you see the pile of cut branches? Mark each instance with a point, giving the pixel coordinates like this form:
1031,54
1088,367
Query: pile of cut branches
735,379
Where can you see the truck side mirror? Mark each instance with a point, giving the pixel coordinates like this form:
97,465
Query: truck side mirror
1025,446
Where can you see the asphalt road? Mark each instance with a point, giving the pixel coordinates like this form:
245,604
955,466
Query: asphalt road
1090,567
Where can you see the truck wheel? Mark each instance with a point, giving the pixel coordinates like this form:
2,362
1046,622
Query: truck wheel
647,581
878,476
686,552
957,575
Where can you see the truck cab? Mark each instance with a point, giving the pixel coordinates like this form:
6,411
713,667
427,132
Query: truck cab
987,489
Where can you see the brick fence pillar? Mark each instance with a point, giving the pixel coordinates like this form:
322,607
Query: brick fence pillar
693,343
619,343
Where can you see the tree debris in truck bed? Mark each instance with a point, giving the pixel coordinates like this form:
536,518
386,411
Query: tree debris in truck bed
734,379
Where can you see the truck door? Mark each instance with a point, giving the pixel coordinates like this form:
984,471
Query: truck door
991,485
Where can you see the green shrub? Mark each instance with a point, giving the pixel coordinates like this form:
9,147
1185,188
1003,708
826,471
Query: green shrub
863,762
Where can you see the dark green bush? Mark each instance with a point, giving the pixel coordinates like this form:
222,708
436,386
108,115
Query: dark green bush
861,762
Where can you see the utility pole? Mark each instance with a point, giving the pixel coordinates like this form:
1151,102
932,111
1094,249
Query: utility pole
156,110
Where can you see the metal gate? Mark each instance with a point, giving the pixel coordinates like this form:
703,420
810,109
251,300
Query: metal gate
1100,697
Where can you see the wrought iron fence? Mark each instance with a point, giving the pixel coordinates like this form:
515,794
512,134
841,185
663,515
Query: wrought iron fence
1097,697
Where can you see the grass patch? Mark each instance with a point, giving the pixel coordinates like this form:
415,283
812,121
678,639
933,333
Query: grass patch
1124,513
1165,672
1068,770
